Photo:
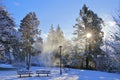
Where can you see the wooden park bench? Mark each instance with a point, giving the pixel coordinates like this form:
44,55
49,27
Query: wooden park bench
24,73
43,72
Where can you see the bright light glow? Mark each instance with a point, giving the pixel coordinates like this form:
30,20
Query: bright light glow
89,35
111,23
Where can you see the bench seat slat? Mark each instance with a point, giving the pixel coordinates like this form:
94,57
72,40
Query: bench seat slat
24,72
42,72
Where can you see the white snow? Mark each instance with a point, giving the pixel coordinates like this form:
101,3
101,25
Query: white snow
72,74
6,66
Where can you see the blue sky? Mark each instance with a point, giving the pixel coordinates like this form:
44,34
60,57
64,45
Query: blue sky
62,12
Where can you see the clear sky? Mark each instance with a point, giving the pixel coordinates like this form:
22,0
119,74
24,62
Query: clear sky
62,12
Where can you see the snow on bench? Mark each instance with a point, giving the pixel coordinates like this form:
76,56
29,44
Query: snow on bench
24,73
42,72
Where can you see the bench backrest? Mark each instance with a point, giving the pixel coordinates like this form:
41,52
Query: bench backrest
43,72
24,72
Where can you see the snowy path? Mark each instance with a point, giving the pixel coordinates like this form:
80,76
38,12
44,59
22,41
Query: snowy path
73,74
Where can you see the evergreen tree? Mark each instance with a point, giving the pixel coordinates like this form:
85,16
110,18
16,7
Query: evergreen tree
55,37
117,20
59,35
54,40
7,32
51,39
90,23
114,43
29,29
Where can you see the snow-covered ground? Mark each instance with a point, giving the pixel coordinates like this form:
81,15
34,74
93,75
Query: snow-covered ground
6,66
72,74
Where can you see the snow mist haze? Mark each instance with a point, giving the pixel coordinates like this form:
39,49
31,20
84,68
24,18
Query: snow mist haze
47,55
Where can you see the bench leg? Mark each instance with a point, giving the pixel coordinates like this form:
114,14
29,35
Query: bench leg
29,75
38,75
20,76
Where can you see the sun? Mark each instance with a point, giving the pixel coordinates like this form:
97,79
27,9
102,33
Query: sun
88,35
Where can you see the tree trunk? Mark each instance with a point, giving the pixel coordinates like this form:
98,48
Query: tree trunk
87,62
28,61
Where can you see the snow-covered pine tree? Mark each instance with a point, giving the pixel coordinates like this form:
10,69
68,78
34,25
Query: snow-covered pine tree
54,40
7,33
78,49
55,37
29,29
114,43
89,22
60,35
51,39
